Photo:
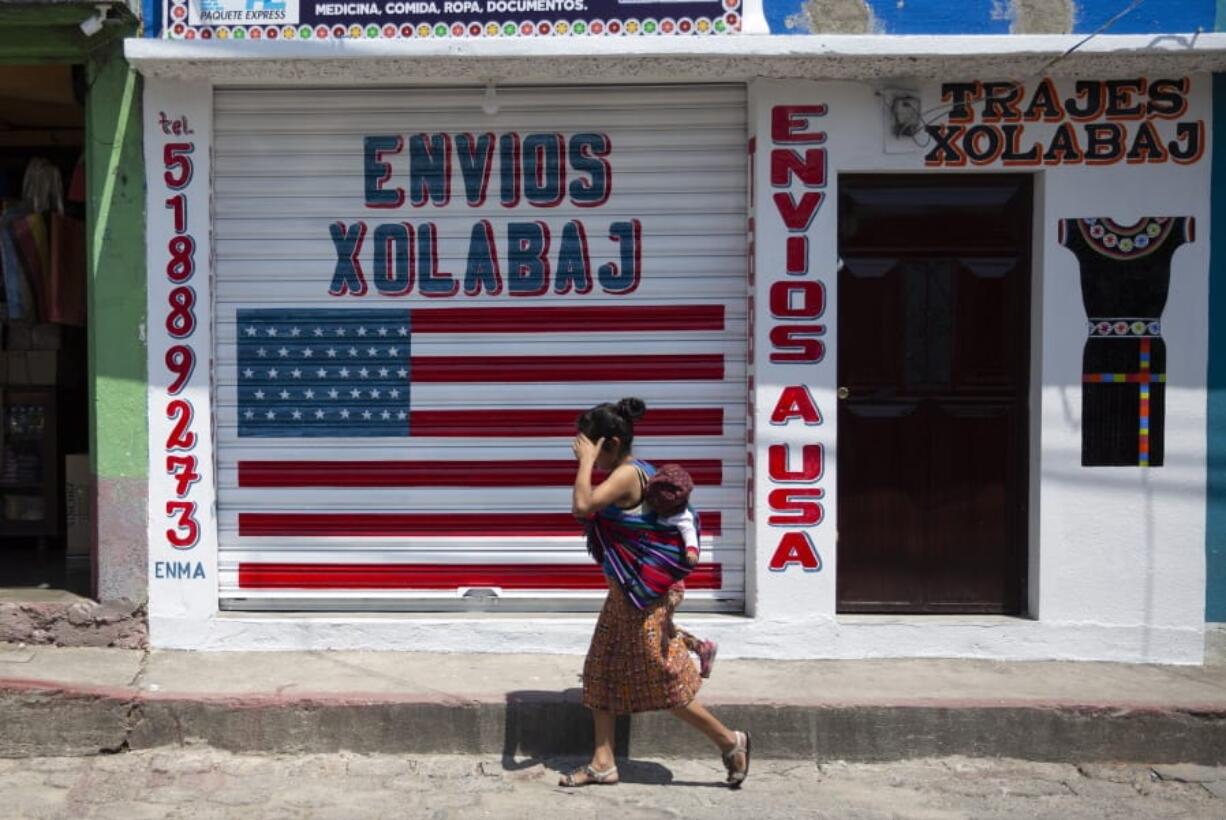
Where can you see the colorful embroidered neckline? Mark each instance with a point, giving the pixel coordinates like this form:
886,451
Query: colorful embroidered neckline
1126,241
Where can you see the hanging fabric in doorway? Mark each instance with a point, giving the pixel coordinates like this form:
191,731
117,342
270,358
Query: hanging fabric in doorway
1125,276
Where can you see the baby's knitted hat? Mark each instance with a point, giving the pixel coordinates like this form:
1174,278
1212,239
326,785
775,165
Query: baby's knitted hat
668,491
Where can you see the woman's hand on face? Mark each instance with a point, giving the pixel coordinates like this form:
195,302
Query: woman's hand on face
585,449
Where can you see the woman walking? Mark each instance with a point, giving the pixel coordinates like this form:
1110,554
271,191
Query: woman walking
636,662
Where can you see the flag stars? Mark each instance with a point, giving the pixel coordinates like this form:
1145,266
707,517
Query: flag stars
307,353
353,351
393,351
333,393
404,331
343,372
272,331
248,373
361,331
319,331
272,372
332,353
382,331
309,394
293,331
319,414
261,352
283,352
363,372
250,329
355,393
296,373
259,394
284,394
249,415
344,414
385,415
270,415
372,351
374,393
366,414
340,331
403,373
297,414
321,373
393,393
402,415
383,371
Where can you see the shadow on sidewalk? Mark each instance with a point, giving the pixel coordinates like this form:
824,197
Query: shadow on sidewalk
554,730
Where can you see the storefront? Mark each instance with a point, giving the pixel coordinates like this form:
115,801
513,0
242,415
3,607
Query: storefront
960,322
72,431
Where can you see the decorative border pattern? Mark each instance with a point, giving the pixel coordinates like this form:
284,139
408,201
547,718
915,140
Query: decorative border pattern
177,28
1125,328
1126,241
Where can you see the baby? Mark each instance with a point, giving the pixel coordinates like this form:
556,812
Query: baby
668,494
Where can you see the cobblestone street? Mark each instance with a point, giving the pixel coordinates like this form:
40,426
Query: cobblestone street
201,783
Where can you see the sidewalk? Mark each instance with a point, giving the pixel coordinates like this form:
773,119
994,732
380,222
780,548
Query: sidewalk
58,701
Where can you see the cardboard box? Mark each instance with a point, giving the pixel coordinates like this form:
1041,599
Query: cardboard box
77,496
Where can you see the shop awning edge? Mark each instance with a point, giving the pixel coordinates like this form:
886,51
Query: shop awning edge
657,59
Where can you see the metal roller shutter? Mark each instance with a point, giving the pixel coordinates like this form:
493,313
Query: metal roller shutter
454,493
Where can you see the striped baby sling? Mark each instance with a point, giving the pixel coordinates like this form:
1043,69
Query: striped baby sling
644,556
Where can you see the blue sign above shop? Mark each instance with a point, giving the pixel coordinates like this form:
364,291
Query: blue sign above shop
425,19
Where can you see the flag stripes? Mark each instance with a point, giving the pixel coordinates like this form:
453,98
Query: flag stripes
530,473
434,525
262,575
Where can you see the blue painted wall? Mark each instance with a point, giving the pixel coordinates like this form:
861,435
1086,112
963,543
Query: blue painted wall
991,17
1215,529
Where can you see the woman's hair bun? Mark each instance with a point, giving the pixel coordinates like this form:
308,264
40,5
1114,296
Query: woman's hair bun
631,409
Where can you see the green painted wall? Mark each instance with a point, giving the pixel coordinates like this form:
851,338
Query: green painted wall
116,186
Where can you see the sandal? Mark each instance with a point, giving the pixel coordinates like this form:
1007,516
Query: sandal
591,778
737,776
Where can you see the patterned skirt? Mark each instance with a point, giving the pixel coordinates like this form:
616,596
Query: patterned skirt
637,662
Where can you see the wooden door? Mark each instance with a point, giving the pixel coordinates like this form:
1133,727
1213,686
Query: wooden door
934,319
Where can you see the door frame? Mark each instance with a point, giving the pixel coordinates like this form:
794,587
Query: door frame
1027,560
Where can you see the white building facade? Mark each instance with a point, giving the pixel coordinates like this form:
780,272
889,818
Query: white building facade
927,322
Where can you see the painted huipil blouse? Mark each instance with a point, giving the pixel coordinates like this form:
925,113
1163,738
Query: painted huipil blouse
1125,277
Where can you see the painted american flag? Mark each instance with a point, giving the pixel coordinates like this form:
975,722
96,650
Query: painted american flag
323,372
353,373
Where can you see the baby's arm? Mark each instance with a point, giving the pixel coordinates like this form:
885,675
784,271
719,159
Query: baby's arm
684,522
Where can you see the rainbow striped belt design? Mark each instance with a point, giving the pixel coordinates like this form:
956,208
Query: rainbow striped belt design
1143,378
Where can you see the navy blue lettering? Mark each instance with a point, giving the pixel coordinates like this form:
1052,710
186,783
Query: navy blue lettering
432,281
482,273
544,173
476,158
508,169
574,263
430,169
527,265
394,259
347,278
629,239
377,172
587,156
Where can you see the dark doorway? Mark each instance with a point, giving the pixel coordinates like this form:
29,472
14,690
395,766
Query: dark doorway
933,348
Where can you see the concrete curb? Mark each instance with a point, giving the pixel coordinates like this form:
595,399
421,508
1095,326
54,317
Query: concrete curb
38,719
